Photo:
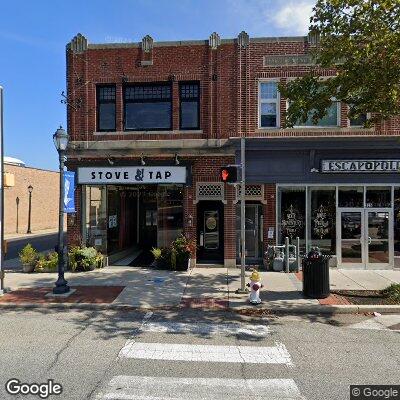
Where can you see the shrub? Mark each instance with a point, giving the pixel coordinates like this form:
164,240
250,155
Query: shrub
157,253
84,259
28,255
47,262
392,292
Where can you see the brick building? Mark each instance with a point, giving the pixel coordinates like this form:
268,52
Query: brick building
44,198
152,123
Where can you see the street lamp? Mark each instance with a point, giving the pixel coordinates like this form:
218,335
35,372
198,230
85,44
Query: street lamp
30,189
60,139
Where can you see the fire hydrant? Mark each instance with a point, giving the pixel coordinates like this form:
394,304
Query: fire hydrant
255,285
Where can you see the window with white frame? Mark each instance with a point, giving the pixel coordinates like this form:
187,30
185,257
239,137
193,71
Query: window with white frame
331,118
268,104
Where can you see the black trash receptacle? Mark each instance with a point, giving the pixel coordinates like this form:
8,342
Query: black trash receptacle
316,275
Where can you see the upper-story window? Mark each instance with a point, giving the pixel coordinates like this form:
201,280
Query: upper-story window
359,121
106,108
189,97
148,107
331,118
268,105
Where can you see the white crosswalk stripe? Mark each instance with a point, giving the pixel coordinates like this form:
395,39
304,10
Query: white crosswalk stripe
124,387
207,329
162,388
207,353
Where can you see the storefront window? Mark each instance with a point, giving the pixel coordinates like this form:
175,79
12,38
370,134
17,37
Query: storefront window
379,197
114,220
169,214
292,214
323,218
95,223
351,196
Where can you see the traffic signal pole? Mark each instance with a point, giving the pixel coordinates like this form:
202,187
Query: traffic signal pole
1,197
242,217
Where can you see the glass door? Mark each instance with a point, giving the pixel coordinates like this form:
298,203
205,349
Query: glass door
351,249
379,241
365,238
253,232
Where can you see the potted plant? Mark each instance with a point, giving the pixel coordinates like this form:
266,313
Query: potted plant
28,257
85,259
161,257
47,263
181,250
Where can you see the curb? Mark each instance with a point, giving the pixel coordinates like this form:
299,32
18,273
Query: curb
301,309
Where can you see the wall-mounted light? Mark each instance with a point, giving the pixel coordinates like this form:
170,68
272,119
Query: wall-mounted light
142,160
176,159
110,160
314,170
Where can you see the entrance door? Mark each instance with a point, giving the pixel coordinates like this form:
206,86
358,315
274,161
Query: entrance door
365,239
379,238
210,232
253,232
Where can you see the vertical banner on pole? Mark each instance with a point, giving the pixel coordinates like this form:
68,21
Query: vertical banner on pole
1,197
69,192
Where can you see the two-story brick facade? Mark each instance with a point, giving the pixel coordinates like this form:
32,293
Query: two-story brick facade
152,123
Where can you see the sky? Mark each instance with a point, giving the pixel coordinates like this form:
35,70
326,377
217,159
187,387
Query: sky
33,35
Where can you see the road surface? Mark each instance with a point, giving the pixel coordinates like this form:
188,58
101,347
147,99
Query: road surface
193,354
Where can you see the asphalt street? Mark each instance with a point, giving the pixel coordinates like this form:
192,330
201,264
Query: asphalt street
196,354
40,243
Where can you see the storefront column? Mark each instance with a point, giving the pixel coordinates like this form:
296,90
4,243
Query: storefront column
269,212
190,218
230,227
74,221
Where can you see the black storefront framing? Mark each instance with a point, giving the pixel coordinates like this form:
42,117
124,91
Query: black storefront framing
127,206
340,193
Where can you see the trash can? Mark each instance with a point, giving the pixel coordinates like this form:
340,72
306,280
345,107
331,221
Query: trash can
316,275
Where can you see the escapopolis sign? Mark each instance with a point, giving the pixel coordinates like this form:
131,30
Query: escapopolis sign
360,166
131,175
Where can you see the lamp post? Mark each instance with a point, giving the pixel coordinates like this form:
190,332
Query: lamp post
17,202
30,189
60,139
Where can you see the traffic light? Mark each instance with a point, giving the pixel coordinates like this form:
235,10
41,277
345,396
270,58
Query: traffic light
229,174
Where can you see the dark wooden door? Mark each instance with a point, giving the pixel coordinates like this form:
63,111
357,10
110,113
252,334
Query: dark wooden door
210,232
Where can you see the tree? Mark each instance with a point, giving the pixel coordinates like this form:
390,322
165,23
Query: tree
359,40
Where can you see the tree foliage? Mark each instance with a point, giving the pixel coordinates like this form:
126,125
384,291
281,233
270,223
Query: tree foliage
359,40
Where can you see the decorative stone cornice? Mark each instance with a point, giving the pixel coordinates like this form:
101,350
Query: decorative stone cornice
147,44
313,38
78,44
214,41
243,40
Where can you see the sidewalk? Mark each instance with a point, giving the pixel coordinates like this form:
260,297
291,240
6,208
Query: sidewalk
125,286
24,235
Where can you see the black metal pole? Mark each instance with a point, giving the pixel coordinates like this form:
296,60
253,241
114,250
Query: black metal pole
17,201
61,284
29,213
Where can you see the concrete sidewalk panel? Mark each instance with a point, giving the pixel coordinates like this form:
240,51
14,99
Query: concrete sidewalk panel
392,275
367,279
340,281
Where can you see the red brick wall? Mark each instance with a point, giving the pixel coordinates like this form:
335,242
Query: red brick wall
229,87
228,79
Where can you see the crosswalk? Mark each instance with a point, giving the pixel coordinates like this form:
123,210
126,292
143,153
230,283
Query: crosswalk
153,343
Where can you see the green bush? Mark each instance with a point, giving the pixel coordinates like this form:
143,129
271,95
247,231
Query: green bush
392,292
157,253
28,255
47,262
84,259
